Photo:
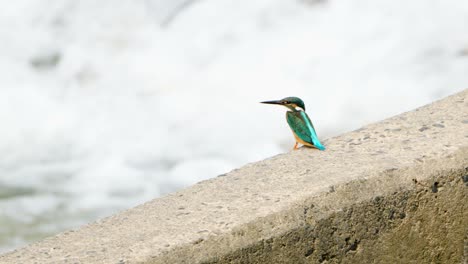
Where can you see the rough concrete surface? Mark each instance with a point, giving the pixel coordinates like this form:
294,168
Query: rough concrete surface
392,192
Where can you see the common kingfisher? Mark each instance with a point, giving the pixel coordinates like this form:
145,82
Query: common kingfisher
299,122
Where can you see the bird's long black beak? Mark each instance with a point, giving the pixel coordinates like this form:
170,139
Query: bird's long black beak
278,102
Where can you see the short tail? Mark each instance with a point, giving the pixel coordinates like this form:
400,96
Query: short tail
319,146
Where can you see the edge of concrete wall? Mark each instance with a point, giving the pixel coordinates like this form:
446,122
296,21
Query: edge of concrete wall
392,191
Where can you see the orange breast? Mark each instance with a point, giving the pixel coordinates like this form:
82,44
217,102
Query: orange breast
302,141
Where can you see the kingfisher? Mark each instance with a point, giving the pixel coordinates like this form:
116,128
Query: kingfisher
299,122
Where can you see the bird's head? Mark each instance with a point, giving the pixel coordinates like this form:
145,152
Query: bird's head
292,103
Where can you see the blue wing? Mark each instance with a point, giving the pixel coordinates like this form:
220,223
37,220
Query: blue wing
303,128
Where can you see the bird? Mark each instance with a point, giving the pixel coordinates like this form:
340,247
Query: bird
299,122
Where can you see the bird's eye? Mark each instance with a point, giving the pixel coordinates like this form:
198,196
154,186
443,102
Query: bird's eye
286,102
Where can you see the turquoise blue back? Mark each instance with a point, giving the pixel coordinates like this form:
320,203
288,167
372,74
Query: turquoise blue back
303,128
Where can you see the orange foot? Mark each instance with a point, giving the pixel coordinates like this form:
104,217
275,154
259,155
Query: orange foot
295,146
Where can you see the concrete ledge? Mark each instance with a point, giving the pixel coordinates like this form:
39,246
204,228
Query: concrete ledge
391,192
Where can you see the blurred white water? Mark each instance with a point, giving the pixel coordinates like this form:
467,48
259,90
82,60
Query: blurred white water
104,104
